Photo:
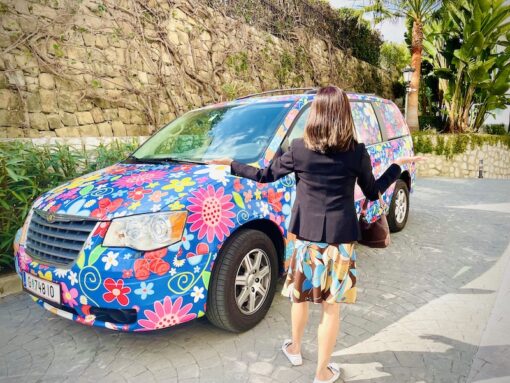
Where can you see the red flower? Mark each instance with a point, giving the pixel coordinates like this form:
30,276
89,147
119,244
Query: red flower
156,254
116,291
142,271
127,273
159,267
106,205
101,229
138,193
275,199
237,185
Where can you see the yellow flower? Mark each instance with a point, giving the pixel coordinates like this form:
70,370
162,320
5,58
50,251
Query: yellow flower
47,275
177,205
179,185
134,205
258,194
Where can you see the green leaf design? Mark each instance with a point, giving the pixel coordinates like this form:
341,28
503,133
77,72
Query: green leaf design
238,199
95,254
86,190
206,276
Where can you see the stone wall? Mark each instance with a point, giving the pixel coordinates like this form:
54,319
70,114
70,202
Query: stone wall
125,67
496,163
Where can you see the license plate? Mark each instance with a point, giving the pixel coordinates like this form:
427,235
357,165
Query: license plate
42,288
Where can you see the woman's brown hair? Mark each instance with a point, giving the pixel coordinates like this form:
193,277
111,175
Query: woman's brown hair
330,127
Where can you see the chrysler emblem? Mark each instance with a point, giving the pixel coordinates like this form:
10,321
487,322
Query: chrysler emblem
50,217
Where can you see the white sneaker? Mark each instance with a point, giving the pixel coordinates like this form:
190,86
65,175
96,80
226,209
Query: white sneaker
335,369
294,359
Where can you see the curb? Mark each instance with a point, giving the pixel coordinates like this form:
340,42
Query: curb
9,284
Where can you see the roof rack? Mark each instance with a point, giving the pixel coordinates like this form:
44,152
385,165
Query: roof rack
276,91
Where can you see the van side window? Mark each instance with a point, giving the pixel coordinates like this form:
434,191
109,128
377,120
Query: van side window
365,122
392,122
298,129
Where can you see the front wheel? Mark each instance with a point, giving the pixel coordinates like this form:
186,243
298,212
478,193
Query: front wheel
243,281
399,207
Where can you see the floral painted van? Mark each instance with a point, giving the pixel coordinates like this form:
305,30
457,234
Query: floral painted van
162,238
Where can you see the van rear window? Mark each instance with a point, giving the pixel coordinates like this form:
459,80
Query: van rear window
392,121
365,122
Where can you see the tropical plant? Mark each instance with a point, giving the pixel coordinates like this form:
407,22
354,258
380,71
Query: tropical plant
468,45
394,56
418,11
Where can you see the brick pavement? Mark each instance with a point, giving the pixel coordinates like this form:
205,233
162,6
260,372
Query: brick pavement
423,307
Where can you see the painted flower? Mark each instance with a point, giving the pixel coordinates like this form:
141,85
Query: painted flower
127,273
61,273
155,208
110,259
197,293
211,213
216,173
106,205
275,199
185,241
248,196
157,196
167,314
145,290
177,205
134,205
23,259
101,229
264,208
238,186
116,291
69,194
69,296
140,178
73,277
179,185
138,193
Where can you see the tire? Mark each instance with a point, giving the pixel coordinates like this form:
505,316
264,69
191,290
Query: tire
226,289
399,207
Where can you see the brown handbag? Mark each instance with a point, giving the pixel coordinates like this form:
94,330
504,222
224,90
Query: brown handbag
375,234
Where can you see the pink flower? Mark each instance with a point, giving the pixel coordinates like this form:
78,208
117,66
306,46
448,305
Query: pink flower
166,314
23,259
138,179
69,296
211,213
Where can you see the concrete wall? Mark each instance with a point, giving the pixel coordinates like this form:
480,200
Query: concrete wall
496,163
125,67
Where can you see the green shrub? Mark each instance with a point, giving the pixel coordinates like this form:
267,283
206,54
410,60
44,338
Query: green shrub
497,129
449,145
27,171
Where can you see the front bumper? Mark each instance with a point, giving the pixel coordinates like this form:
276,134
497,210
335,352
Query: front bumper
156,290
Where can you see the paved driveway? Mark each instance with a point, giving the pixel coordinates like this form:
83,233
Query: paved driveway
422,311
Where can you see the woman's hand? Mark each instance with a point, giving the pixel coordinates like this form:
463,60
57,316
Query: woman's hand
408,160
220,161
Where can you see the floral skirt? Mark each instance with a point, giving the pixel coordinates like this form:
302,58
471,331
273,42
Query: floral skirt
319,272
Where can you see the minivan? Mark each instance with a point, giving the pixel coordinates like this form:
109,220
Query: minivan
162,238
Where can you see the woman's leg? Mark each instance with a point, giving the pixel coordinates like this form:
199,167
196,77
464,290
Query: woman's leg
299,314
327,333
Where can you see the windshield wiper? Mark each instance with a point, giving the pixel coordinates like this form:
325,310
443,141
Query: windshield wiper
165,160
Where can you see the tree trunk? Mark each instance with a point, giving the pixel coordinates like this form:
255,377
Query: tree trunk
416,52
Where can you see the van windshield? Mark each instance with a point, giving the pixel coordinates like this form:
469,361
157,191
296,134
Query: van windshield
241,132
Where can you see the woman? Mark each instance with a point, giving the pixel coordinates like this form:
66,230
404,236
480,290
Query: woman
326,162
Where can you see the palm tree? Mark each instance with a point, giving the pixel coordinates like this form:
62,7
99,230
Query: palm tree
418,11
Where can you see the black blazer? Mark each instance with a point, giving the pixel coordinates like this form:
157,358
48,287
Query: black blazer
324,209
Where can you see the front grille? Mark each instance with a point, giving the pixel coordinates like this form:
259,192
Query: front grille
57,242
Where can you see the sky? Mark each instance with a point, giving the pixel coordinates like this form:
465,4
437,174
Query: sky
391,31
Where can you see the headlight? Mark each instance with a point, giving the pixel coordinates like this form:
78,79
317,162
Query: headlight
146,232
